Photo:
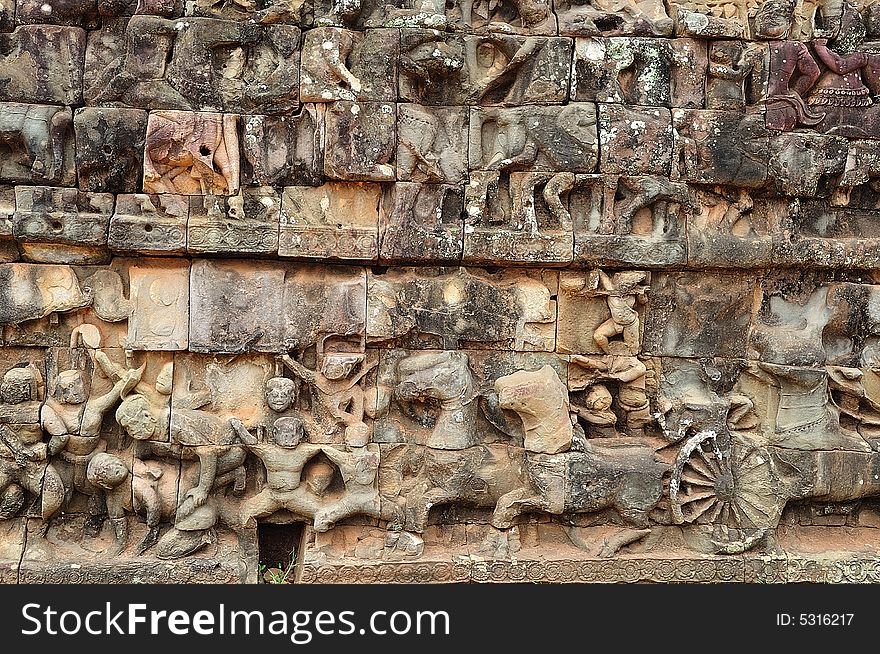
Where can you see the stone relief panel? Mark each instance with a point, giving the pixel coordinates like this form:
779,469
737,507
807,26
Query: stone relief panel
489,288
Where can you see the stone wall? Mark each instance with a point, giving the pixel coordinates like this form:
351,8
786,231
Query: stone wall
490,291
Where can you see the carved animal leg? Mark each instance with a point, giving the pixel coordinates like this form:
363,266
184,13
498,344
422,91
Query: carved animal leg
417,516
513,504
620,539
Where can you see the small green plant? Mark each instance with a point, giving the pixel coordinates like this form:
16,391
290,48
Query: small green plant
279,573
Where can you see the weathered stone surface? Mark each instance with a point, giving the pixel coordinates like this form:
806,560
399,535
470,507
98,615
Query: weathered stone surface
610,18
716,147
673,323
243,223
283,150
521,218
640,139
432,143
640,71
421,223
36,144
507,310
361,141
499,70
339,64
149,224
191,153
109,145
534,138
42,64
148,62
159,293
303,300
62,225
330,221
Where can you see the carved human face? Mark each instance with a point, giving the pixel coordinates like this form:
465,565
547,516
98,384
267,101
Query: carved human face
722,53
774,18
16,386
280,393
599,399
71,387
135,417
486,54
338,366
287,432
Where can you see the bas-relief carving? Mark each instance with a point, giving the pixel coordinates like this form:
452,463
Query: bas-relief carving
146,61
653,390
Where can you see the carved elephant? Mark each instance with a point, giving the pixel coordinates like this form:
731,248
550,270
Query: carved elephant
40,129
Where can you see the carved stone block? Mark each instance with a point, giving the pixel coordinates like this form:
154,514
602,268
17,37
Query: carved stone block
361,141
500,70
610,18
109,143
635,140
62,225
811,232
602,313
227,306
159,293
82,13
292,12
701,19
7,15
421,223
734,229
716,147
8,249
23,299
639,71
325,305
736,75
148,62
676,323
36,65
243,223
339,64
508,17
539,139
630,221
432,143
510,309
331,221
149,224
191,153
36,144
451,400
522,218
312,307
800,161
282,150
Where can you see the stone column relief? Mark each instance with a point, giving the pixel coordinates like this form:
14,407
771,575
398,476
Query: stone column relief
475,290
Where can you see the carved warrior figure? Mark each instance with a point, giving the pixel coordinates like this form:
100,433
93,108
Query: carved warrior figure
23,455
337,392
730,65
188,433
72,418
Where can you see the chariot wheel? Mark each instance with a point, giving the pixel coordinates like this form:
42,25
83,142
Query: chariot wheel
734,491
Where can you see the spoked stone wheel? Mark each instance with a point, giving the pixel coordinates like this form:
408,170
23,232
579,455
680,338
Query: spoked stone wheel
735,490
